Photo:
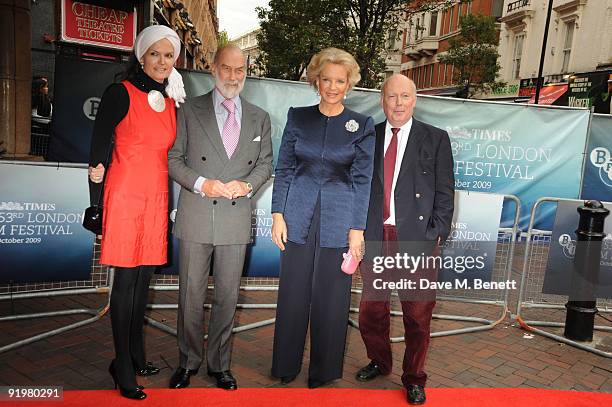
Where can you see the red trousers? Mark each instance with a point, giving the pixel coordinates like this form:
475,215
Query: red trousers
374,325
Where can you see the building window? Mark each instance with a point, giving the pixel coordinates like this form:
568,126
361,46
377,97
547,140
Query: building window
431,74
516,55
567,45
421,75
450,23
391,39
418,27
433,24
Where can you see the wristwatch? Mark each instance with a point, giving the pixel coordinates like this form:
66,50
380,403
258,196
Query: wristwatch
250,187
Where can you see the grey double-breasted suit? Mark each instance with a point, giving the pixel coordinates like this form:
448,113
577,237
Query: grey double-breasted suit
213,227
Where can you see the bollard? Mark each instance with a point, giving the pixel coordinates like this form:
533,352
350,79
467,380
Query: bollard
581,307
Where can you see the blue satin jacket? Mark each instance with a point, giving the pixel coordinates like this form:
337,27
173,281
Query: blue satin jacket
327,156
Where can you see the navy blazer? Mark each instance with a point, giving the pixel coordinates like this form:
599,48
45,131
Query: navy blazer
330,157
425,189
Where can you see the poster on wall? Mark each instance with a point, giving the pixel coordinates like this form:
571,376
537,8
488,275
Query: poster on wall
591,89
41,232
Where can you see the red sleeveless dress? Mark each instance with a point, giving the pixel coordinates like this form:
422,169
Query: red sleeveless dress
135,220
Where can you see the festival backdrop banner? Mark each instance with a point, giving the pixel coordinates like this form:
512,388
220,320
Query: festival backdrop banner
597,180
530,152
41,232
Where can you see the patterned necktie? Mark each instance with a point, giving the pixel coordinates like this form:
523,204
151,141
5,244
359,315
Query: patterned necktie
390,157
231,128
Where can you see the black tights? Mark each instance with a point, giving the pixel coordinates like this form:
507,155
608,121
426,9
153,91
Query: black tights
127,309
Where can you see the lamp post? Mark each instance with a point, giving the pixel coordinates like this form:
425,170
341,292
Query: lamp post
543,54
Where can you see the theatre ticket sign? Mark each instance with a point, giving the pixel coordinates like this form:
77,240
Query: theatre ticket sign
100,26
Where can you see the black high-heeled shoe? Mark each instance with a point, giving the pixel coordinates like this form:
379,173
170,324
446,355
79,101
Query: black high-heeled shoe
134,394
149,370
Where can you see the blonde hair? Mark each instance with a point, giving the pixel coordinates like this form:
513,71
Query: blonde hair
333,56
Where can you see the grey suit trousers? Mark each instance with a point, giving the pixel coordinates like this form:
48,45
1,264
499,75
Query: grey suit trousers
194,270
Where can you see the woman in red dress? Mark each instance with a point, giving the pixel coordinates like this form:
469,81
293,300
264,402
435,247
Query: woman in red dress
140,113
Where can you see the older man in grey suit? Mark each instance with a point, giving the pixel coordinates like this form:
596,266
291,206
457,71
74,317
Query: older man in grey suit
221,157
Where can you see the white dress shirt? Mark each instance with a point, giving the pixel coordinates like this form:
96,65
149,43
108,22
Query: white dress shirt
221,114
402,141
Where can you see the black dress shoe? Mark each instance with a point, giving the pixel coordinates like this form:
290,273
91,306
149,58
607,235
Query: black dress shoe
225,380
313,384
416,394
288,379
368,372
180,378
148,370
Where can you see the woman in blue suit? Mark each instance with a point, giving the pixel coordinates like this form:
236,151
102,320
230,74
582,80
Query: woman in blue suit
319,210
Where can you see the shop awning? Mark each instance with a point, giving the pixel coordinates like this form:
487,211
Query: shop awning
550,93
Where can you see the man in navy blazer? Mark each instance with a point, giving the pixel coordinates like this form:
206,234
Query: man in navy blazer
411,205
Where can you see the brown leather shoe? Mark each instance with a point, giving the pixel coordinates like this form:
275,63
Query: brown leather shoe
416,394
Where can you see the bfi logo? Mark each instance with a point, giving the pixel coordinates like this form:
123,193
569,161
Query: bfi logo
602,159
90,107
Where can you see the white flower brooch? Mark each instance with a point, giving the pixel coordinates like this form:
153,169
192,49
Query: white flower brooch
351,126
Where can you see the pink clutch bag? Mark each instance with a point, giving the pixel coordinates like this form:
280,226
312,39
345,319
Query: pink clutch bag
349,264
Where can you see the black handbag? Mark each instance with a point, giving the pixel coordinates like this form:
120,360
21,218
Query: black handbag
92,218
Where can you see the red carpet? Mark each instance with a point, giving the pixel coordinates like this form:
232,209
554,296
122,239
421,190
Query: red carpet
467,397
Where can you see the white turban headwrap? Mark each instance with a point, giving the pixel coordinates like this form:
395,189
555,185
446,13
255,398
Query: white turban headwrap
149,36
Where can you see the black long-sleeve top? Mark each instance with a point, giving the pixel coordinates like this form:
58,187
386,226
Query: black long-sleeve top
113,108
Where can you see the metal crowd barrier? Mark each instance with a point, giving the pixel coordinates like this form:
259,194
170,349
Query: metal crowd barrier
532,280
168,282
506,240
102,283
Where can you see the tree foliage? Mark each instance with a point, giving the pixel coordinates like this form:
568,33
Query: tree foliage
292,31
222,39
474,54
